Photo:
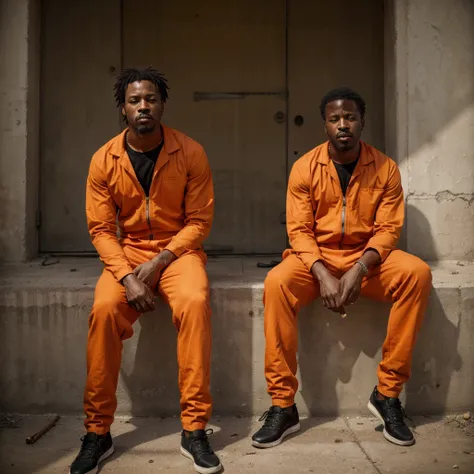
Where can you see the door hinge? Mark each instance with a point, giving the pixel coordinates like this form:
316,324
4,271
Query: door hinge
38,218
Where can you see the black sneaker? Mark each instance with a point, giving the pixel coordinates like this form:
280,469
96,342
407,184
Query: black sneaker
391,413
279,423
195,446
95,448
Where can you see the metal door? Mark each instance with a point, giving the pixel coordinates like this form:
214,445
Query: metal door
225,62
80,58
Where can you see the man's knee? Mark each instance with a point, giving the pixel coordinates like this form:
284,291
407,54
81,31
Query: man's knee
194,301
105,308
276,278
419,271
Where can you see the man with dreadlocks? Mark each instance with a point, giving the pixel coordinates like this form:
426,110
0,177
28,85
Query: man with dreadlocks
344,211
156,183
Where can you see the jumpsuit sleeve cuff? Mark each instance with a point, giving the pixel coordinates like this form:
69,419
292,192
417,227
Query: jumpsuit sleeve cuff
122,272
382,251
310,259
175,249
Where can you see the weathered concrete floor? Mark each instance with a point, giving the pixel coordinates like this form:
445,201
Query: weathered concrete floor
323,446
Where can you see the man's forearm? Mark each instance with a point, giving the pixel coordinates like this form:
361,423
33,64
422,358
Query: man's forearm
319,270
190,236
112,254
305,246
370,258
165,258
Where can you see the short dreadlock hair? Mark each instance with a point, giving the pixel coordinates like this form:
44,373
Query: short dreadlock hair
127,76
342,93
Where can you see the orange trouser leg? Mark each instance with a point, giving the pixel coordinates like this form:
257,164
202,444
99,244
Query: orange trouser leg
406,281
185,286
288,286
110,322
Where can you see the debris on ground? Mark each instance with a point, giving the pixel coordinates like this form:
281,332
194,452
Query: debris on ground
464,422
35,437
9,421
49,260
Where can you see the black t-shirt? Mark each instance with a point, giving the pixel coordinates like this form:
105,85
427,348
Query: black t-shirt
144,165
345,172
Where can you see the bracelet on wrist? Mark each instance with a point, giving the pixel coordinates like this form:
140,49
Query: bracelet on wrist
364,268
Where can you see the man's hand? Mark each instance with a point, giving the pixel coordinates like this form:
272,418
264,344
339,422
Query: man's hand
139,295
150,272
351,284
329,287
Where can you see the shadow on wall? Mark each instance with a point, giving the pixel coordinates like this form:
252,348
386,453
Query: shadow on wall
436,355
439,59
235,316
332,350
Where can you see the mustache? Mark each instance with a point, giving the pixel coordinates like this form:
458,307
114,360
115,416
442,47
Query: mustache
344,134
144,116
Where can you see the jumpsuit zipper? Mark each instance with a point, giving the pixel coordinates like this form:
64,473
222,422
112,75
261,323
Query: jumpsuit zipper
343,220
147,210
147,204
344,206
343,226
147,201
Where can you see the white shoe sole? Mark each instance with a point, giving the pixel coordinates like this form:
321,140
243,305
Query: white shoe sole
201,470
289,431
387,436
102,458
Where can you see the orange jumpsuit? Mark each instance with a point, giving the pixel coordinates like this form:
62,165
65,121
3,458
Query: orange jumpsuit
324,225
176,216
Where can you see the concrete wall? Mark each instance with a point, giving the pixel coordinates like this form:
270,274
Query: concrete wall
429,123
440,128
43,336
430,118
19,127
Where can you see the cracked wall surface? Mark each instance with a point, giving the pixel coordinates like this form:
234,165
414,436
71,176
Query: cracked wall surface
19,128
439,168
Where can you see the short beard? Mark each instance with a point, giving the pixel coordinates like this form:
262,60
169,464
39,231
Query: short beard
144,130
342,147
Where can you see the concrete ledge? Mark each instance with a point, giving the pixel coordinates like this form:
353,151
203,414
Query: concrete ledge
43,332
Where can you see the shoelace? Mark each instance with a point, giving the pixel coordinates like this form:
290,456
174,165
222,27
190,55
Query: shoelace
272,418
396,414
201,445
88,449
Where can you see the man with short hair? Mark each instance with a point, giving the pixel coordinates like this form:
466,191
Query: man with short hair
345,212
157,183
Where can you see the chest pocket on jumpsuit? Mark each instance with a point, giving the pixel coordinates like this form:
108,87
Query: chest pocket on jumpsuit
369,200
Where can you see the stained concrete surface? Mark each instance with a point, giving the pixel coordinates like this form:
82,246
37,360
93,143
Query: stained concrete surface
43,333
323,446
